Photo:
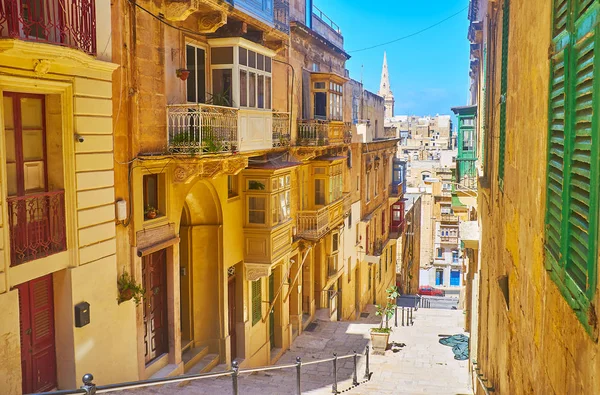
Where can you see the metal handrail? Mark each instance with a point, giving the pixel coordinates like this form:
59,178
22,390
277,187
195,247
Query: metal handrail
89,388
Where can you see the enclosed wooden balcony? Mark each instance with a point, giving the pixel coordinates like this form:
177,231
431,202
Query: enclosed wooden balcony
70,23
449,218
314,224
316,132
37,226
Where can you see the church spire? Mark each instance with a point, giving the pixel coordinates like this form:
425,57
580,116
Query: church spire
385,90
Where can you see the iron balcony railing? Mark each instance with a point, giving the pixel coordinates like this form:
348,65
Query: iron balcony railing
71,23
202,128
315,132
89,388
37,226
281,129
281,15
322,16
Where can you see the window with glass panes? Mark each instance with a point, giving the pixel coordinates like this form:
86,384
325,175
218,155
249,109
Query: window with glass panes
266,196
328,102
255,79
195,60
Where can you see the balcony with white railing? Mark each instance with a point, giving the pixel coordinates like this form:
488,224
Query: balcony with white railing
202,129
69,23
315,132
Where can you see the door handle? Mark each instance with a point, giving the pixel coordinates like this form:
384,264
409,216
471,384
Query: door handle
28,332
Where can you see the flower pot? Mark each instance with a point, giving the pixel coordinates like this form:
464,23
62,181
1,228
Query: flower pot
379,341
151,214
125,295
183,74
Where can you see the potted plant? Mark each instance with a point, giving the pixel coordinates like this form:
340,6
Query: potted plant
182,74
129,289
150,212
380,336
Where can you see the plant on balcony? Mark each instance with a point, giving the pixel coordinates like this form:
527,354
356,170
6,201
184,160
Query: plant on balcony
256,185
380,336
219,99
129,289
150,212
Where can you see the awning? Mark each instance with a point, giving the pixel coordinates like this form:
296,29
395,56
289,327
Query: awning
156,247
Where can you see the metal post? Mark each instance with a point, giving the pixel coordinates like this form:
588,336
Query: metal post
402,315
355,377
298,365
396,317
412,322
334,386
387,321
88,386
367,373
234,376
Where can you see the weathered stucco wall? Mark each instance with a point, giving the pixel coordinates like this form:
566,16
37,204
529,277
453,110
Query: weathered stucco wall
530,342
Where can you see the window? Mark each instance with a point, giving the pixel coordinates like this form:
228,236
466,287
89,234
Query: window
503,90
349,269
468,122
257,210
154,195
195,59
335,238
232,186
454,256
256,301
440,252
572,184
375,190
222,87
320,105
319,192
255,80
468,140
327,100
368,184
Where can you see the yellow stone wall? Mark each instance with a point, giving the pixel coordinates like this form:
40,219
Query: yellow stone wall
535,343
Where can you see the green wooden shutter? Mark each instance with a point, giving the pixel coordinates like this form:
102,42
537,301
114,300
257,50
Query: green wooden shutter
583,178
503,89
556,154
561,12
256,301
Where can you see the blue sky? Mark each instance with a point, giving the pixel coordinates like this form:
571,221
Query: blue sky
428,72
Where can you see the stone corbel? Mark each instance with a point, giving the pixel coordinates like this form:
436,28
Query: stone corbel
212,169
276,46
212,21
256,271
185,173
180,10
234,166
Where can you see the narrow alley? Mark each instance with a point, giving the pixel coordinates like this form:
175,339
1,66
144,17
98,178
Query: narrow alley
416,364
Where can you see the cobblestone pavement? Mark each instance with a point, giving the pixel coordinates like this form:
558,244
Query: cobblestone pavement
419,365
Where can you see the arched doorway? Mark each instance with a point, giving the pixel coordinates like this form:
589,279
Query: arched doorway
201,277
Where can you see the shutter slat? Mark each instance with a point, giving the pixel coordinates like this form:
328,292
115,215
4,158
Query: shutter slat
583,6
561,8
504,88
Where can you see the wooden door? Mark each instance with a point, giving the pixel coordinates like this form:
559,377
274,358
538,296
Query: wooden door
272,312
154,278
38,349
231,313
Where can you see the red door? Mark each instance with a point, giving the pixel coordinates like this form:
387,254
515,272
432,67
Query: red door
154,279
38,352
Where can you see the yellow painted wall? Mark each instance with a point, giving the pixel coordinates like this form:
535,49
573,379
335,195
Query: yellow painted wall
536,344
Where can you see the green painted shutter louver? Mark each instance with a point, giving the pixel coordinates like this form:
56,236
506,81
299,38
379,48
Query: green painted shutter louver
503,89
572,172
556,155
256,301
583,181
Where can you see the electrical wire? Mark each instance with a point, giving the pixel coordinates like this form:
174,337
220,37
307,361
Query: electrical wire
410,35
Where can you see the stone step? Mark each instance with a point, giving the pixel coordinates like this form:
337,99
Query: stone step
205,365
192,356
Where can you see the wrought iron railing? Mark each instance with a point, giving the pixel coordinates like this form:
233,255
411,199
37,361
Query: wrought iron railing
202,128
313,224
37,226
71,23
281,129
281,15
89,388
315,132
